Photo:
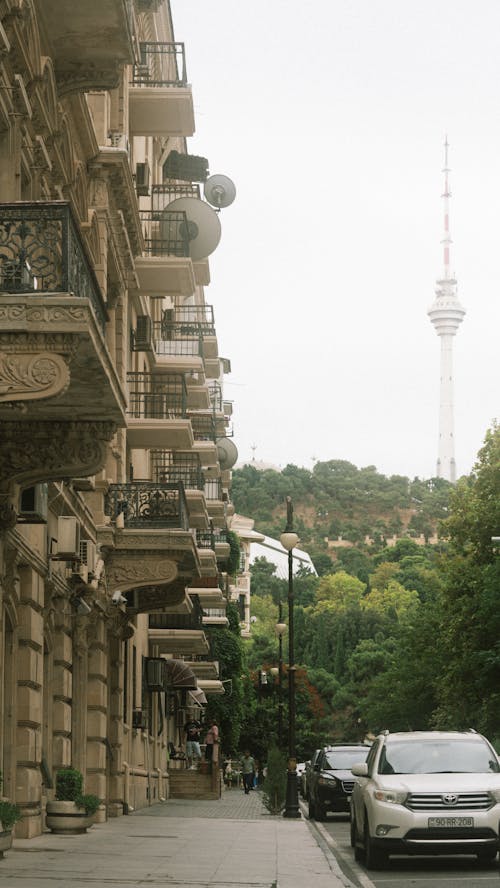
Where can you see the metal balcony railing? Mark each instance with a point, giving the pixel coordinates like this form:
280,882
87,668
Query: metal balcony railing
162,195
157,396
205,539
204,426
146,504
220,536
42,252
202,316
174,341
171,466
161,64
176,621
213,489
165,234
215,393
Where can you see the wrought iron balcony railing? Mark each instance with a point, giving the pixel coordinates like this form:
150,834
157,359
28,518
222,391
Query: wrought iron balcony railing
215,393
42,252
146,504
171,466
161,64
175,342
213,489
162,195
157,395
165,234
205,539
204,426
187,315
176,621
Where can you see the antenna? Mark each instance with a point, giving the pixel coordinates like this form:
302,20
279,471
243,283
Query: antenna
219,191
447,241
253,448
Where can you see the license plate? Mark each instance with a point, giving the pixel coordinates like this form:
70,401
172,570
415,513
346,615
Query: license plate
449,822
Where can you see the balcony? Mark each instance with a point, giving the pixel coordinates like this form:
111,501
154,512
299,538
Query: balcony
148,546
160,98
205,544
178,634
53,325
157,415
165,268
214,498
179,350
185,468
201,331
85,56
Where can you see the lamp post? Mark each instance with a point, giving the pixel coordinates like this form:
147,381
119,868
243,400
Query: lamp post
289,539
280,629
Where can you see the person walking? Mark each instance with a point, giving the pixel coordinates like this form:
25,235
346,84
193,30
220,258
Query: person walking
248,771
193,752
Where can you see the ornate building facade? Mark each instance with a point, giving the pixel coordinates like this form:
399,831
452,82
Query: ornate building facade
115,477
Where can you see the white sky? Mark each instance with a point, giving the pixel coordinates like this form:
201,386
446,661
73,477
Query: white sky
329,116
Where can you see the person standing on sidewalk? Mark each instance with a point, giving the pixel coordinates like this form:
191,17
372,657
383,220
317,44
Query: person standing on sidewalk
211,738
248,771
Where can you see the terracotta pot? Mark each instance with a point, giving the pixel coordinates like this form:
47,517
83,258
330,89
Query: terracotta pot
67,818
5,841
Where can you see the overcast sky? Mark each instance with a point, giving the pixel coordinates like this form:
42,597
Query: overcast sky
330,117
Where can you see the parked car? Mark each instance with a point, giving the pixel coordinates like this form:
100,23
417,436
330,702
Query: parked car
426,792
306,772
330,781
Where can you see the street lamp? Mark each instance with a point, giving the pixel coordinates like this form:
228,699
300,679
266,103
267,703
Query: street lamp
289,539
280,630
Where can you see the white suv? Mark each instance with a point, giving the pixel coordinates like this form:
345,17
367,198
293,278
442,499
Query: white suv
426,792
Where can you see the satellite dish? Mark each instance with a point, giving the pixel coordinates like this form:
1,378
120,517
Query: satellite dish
227,453
219,191
203,225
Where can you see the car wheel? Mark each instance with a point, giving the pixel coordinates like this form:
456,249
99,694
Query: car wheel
374,858
312,809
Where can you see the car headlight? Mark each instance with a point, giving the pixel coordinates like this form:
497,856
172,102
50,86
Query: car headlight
326,780
390,796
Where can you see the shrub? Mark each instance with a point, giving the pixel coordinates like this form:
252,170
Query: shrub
69,788
9,815
274,786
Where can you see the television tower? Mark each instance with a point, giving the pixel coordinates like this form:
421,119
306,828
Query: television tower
446,315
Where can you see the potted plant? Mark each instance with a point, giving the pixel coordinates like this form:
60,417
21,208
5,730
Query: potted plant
71,811
10,814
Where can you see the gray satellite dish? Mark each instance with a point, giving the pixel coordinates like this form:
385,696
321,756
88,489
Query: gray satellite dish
203,225
219,191
227,453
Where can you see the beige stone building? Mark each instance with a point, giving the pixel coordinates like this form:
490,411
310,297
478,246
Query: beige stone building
115,480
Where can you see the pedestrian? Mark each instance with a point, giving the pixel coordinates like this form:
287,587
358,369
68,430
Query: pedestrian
211,738
193,752
248,771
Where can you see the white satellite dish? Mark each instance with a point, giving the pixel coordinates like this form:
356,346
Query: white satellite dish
203,225
219,191
227,453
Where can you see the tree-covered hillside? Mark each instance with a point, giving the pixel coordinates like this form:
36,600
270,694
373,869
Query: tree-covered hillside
337,500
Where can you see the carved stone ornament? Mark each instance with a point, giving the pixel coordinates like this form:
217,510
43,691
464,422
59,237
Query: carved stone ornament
126,570
27,377
31,452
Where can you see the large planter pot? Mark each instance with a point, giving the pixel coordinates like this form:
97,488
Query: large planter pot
5,841
66,818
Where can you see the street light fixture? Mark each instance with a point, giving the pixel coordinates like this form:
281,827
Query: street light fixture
289,539
280,630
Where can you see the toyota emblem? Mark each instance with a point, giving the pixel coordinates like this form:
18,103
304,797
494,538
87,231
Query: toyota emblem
451,798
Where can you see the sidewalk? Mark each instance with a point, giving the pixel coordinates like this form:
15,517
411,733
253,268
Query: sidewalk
229,843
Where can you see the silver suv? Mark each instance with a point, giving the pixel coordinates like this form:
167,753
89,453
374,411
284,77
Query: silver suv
426,792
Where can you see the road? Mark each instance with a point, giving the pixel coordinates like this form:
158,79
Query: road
404,872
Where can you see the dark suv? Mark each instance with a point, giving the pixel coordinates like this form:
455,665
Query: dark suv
330,781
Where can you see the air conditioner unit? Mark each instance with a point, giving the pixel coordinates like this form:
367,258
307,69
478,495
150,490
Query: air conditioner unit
88,554
142,176
143,336
33,507
68,537
156,674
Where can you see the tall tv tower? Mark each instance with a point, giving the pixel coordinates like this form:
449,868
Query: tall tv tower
446,315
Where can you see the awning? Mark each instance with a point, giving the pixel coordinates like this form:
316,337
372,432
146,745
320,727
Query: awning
180,675
198,697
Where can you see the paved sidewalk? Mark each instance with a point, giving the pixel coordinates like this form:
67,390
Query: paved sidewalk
230,843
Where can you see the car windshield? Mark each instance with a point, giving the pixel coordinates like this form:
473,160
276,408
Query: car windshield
437,757
344,759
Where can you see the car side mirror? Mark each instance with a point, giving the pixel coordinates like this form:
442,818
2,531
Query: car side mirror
360,769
